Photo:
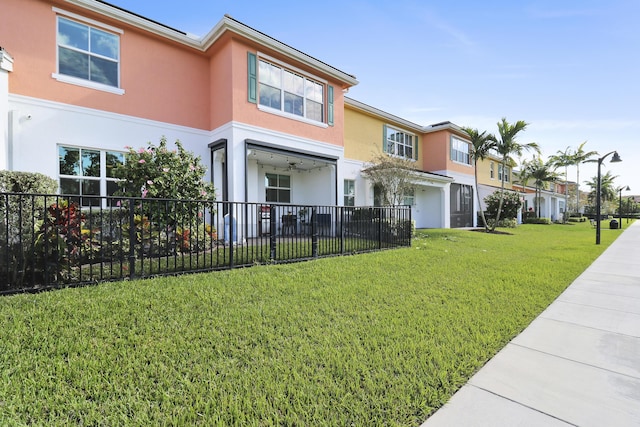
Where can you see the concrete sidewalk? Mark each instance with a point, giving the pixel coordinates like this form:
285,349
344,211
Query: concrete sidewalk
577,364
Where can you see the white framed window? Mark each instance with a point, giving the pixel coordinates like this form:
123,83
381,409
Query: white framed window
88,172
277,188
507,174
290,92
88,55
460,150
410,197
400,143
349,192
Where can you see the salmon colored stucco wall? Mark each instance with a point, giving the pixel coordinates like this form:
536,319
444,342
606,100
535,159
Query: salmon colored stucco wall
162,81
222,95
437,145
247,112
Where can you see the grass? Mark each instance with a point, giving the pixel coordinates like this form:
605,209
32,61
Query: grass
375,339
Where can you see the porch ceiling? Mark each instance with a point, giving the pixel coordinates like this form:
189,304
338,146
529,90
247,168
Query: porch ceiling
286,161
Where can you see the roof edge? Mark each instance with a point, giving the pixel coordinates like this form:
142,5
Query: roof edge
227,23
372,110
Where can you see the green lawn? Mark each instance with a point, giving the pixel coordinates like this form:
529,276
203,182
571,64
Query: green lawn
375,339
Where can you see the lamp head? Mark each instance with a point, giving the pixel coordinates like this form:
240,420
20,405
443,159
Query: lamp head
627,189
616,158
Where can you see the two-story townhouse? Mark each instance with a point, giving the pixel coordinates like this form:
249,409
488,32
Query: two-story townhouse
82,79
370,132
444,173
449,153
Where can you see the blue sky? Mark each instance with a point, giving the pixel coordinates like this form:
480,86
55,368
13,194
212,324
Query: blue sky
570,68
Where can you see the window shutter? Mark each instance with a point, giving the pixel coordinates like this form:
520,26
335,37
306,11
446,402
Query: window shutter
330,105
452,152
252,83
384,138
416,145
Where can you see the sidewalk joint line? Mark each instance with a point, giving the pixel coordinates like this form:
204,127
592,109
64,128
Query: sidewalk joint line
523,405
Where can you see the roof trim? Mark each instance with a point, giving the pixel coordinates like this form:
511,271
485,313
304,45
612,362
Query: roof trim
372,110
419,128
227,23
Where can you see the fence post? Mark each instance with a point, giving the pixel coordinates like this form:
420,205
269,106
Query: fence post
231,229
272,232
380,228
314,232
341,229
132,240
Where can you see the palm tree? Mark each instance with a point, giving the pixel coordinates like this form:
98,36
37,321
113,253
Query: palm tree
482,144
541,173
581,156
506,147
607,190
564,158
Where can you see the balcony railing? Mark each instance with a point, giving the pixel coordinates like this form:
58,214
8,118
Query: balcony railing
50,241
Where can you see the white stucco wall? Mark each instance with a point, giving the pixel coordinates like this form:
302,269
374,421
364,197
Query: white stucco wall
41,126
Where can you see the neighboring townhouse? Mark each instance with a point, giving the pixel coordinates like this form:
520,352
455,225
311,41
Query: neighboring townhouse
490,172
80,80
444,194
551,200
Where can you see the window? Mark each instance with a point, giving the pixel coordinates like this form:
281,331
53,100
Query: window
410,197
492,171
88,53
88,172
506,175
349,192
278,188
460,151
290,92
400,143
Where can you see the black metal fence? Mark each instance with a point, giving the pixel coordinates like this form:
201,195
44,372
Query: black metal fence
49,241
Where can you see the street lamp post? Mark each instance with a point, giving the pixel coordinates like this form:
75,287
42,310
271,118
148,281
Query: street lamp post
620,207
615,159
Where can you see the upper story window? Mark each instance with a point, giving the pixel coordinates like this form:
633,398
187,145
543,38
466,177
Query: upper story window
290,92
492,170
88,172
507,173
400,143
285,90
88,53
460,151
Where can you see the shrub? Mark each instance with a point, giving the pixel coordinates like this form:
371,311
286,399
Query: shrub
19,214
537,221
510,205
577,219
506,223
160,173
26,182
